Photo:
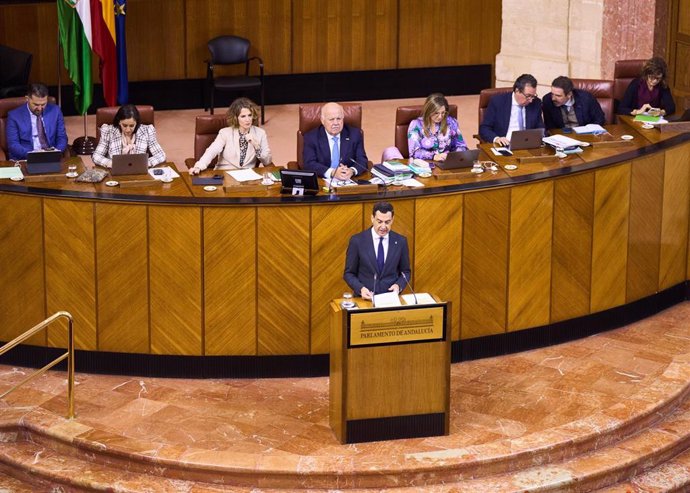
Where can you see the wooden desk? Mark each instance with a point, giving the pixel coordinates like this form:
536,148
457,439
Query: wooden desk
176,271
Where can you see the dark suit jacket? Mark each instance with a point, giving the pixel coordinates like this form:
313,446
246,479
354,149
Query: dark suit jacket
497,117
19,138
587,110
360,263
630,102
317,153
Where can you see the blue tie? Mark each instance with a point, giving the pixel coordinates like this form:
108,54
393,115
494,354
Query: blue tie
335,153
521,118
379,256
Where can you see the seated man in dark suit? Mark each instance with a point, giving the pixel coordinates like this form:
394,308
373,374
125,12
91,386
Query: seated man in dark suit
378,259
517,110
567,107
334,150
36,125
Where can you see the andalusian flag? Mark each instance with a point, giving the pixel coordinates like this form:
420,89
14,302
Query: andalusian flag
121,46
74,22
103,29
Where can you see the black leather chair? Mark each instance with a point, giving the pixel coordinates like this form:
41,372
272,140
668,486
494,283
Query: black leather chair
15,68
232,50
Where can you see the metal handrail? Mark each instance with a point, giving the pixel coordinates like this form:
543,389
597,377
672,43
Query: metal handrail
69,355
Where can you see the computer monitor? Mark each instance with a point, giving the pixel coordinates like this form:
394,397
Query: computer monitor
299,182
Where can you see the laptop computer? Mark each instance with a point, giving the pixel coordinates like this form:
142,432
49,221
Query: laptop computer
39,162
526,139
130,164
459,159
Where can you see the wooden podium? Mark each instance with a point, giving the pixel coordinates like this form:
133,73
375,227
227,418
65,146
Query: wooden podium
389,372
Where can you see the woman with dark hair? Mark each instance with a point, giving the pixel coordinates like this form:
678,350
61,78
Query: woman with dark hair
127,136
435,133
242,144
649,93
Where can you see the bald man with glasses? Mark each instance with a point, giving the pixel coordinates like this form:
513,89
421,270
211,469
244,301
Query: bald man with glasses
517,110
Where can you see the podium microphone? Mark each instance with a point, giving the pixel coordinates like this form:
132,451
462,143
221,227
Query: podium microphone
373,296
407,281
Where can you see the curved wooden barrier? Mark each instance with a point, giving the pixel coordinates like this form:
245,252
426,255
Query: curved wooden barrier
175,271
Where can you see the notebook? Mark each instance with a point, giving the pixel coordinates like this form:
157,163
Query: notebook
526,139
130,164
459,159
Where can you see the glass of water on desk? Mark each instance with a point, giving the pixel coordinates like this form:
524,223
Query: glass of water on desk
71,170
347,302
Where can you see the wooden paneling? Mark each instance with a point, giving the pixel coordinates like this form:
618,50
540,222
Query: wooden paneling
646,198
448,32
675,217
529,287
485,263
572,246
175,278
155,39
230,280
70,270
123,284
266,23
684,17
610,237
331,228
342,35
22,301
438,254
283,277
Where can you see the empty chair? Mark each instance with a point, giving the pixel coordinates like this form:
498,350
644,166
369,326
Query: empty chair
15,68
232,50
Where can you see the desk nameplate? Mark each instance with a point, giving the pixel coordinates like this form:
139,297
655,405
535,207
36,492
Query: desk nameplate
398,325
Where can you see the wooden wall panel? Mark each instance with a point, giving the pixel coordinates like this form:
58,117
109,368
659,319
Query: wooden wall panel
342,35
283,290
485,263
71,270
230,280
175,278
529,288
266,23
646,199
448,32
438,251
675,217
22,301
572,246
331,226
123,284
156,39
610,237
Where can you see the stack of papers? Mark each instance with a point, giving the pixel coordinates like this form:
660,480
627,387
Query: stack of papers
11,172
244,174
591,128
418,299
387,175
561,142
396,166
647,118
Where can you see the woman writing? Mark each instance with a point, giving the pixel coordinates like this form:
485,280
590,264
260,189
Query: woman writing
127,136
649,93
242,144
435,133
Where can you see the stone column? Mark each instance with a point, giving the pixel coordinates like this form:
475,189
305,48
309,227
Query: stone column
577,38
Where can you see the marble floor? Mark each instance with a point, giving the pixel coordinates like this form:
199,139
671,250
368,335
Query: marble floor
577,408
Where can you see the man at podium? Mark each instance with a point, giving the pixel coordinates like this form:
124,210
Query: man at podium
377,259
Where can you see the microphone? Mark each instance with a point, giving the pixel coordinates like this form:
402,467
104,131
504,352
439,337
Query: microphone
407,281
373,296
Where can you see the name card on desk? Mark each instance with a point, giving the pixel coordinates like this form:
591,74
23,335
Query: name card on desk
391,326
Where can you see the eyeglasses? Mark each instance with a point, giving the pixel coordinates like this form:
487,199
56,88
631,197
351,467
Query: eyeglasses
528,97
654,77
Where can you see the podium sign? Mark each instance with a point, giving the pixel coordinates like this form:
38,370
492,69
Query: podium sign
389,372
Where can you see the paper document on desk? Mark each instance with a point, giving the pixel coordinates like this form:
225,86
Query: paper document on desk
418,299
244,174
387,299
168,173
590,128
11,172
561,141
411,182
343,183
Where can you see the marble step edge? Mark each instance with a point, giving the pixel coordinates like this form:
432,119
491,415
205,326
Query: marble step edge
616,463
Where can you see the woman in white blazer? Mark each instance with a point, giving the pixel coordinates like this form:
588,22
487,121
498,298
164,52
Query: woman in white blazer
242,144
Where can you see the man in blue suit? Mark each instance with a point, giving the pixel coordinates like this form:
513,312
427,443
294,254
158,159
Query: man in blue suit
334,150
36,125
567,107
377,259
517,110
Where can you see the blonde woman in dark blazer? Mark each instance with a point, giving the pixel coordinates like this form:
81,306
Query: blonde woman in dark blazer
242,144
127,135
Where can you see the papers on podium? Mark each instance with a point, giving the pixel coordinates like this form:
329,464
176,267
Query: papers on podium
386,299
561,141
421,299
244,174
